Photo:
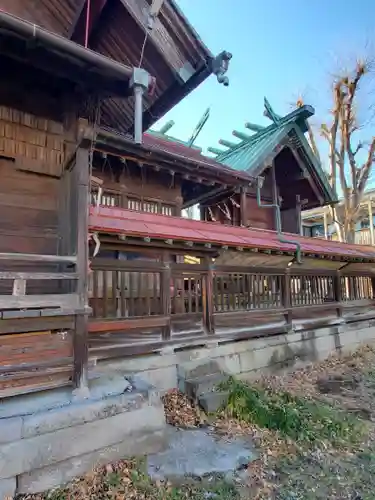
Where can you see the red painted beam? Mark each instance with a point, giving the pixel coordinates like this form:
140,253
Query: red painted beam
86,19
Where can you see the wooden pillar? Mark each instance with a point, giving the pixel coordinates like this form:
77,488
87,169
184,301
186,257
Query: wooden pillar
325,222
81,179
275,195
371,222
165,294
286,297
299,215
178,207
202,211
208,297
243,206
337,291
373,287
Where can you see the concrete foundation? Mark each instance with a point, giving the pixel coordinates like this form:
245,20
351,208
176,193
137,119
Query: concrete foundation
48,439
276,354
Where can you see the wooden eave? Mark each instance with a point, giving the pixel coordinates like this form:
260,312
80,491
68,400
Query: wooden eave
198,234
62,58
198,170
174,53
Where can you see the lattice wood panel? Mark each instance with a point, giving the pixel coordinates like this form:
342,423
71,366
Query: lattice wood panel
37,144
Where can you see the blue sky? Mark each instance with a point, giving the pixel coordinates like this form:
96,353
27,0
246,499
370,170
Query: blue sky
281,49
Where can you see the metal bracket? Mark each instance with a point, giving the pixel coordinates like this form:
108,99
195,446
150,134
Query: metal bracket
139,82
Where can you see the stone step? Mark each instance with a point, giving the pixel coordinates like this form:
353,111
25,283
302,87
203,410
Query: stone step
198,368
57,443
194,388
211,402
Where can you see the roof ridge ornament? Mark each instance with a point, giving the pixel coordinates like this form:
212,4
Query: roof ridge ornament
220,65
269,112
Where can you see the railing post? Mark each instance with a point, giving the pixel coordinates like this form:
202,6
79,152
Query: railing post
337,292
81,176
165,295
287,297
208,298
373,287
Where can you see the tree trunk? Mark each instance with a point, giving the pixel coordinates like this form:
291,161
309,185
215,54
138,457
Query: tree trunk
350,232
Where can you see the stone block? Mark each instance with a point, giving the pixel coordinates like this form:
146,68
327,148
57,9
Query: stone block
366,335
137,364
8,488
211,402
40,480
37,452
196,387
10,429
255,360
199,368
79,413
354,325
163,379
231,363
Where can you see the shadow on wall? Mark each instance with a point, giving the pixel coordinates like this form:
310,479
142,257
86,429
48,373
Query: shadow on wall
286,356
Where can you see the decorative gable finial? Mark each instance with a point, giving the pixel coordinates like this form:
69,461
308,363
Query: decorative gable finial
220,66
269,112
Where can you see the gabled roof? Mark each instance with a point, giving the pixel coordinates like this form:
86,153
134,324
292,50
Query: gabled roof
175,150
147,225
173,52
253,151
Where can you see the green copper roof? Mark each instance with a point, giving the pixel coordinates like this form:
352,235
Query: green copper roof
254,151
248,155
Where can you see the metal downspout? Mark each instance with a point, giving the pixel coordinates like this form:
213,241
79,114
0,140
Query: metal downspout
276,206
64,46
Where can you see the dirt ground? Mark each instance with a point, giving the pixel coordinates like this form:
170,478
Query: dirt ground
324,448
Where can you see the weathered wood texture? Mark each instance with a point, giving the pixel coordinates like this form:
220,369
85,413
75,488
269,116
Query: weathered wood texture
137,188
34,361
28,211
36,138
81,176
33,148
36,144
130,314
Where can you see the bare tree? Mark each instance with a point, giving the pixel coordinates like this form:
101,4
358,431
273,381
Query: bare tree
350,160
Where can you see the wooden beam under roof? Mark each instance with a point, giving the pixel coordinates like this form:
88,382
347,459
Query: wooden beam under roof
307,176
90,10
160,38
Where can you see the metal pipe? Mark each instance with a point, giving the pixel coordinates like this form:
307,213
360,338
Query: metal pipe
278,222
138,113
65,46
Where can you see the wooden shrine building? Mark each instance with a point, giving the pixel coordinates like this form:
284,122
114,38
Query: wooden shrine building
69,72
93,244
163,280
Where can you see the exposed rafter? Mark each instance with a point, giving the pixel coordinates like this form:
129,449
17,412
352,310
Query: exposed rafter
159,37
87,16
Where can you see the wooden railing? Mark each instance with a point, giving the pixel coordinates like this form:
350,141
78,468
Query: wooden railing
245,291
149,304
115,198
32,285
38,306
